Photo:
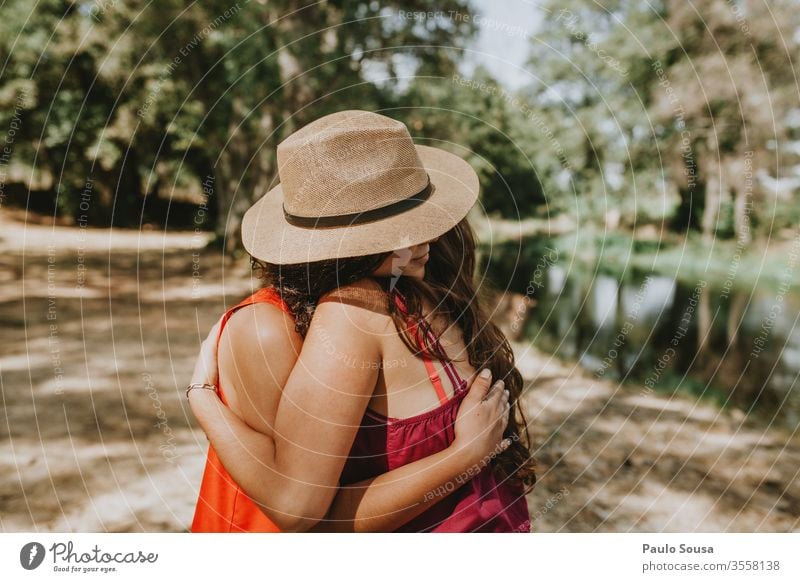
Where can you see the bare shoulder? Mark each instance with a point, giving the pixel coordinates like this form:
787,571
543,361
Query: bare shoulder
351,321
257,352
261,326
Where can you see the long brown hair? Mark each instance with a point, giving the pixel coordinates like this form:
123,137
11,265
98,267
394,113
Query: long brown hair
449,285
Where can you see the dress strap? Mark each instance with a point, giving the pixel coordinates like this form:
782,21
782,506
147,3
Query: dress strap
424,326
452,373
433,375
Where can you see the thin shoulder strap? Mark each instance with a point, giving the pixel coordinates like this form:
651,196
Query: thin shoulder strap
435,379
452,373
433,375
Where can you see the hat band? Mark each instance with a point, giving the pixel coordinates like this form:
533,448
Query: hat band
380,213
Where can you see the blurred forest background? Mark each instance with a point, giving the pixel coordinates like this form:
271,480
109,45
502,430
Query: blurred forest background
640,198
632,114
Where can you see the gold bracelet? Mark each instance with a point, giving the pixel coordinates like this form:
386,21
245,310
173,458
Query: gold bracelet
201,386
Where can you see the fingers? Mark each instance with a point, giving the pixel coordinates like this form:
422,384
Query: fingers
213,332
495,394
498,400
481,384
501,399
205,370
208,349
504,408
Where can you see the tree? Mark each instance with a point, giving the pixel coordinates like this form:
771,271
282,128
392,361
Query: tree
143,99
484,123
688,98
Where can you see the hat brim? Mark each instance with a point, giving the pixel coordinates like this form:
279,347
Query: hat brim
267,235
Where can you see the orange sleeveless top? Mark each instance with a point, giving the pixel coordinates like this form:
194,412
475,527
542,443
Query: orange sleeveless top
222,506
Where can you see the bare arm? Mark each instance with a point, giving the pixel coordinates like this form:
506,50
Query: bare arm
383,503
323,401
297,496
390,500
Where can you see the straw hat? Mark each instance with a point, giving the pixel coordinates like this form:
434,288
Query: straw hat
352,184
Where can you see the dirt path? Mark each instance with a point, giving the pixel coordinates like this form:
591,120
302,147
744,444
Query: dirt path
616,459
99,333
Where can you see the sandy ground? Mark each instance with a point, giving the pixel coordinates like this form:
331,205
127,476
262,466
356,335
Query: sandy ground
99,334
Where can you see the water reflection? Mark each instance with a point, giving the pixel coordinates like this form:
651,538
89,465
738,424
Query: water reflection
739,347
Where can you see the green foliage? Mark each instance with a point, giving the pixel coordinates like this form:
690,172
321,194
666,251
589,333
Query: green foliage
136,98
680,96
481,124
639,113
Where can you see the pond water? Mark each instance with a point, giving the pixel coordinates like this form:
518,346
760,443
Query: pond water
738,347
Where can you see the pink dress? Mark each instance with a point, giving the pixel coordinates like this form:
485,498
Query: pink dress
481,502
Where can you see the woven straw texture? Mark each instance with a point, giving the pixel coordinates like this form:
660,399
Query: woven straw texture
347,163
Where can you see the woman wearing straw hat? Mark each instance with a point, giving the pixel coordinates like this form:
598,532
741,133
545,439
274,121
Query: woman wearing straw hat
360,418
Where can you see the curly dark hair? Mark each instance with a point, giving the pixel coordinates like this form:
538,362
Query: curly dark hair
449,285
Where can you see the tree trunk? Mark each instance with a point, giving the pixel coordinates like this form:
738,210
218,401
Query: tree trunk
685,216
712,201
243,172
703,314
743,201
619,325
736,311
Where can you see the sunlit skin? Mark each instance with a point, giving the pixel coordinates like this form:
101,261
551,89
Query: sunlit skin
289,427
